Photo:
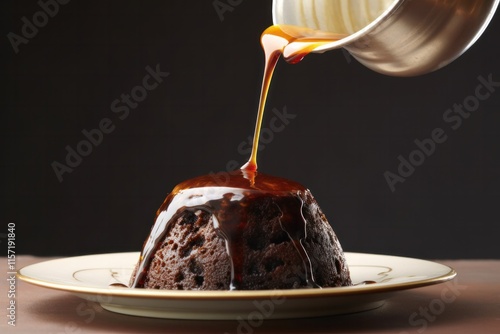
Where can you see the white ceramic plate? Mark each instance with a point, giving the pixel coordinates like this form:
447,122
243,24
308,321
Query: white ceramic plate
90,277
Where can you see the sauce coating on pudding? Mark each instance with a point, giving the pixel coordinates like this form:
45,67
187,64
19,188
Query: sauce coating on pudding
228,203
234,203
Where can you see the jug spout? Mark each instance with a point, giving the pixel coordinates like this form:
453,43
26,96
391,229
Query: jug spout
393,37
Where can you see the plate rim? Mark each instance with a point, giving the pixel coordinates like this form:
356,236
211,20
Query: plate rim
241,294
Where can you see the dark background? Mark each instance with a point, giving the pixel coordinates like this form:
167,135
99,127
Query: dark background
351,125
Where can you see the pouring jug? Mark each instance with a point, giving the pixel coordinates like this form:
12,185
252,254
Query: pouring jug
393,37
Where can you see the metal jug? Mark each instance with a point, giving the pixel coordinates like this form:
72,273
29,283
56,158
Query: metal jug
393,37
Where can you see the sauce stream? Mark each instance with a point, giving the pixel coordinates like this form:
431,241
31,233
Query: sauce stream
294,43
228,201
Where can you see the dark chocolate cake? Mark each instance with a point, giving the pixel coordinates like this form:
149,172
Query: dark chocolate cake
252,233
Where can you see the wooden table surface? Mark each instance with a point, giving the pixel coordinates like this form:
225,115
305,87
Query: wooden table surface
476,309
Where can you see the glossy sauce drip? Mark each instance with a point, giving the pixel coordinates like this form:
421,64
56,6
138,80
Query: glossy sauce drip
364,283
228,202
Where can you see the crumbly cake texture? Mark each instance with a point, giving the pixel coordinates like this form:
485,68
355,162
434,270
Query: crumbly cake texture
193,256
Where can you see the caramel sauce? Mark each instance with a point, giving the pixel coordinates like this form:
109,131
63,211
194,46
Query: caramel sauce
294,43
228,201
